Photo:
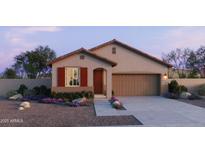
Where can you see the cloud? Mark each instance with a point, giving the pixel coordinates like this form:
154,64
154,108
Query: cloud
183,37
177,37
17,35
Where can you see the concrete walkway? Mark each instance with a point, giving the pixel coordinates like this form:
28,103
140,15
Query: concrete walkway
155,111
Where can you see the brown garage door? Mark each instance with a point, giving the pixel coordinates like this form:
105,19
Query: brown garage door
136,84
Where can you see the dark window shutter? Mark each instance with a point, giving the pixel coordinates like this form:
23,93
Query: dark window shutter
61,77
83,77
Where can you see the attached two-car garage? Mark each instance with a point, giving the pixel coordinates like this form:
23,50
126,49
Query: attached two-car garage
136,84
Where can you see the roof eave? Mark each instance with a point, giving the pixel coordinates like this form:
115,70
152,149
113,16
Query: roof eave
82,50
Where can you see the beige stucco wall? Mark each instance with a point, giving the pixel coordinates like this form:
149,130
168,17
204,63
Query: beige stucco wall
130,62
89,62
13,84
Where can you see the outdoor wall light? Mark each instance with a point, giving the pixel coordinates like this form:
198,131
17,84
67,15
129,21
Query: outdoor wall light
165,76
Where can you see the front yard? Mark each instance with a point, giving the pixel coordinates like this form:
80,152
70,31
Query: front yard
51,115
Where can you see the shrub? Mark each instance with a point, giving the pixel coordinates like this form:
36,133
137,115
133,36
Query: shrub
48,92
182,88
73,95
37,90
173,87
174,90
90,94
42,91
30,92
11,93
201,90
22,89
59,95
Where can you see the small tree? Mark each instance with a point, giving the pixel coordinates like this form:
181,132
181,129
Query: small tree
34,63
178,58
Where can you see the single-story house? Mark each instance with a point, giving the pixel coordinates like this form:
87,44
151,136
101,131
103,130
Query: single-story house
112,67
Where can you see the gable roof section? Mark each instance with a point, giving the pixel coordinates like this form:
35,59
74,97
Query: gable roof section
114,41
83,51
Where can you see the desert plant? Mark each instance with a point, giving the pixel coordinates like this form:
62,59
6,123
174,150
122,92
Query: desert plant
42,90
182,88
173,87
22,89
90,95
30,92
37,90
201,90
11,93
73,95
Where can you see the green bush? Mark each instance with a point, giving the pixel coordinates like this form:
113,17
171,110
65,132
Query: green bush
173,87
201,90
37,90
90,94
30,92
73,95
182,88
42,91
22,89
11,93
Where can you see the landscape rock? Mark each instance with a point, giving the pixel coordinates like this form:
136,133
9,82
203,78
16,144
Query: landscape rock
21,108
15,97
25,105
185,95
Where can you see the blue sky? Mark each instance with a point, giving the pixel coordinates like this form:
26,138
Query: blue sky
152,40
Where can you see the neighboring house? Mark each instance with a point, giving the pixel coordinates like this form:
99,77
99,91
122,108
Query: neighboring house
112,67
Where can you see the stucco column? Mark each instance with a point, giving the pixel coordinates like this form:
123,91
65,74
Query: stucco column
54,77
90,77
164,86
109,83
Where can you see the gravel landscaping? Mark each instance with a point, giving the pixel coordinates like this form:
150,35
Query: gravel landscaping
196,102
51,115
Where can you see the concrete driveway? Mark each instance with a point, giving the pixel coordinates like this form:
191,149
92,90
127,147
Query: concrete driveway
155,111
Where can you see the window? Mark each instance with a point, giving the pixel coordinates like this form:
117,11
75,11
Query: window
82,57
113,50
72,77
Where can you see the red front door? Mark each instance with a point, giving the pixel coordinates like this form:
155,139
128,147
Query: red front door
98,81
